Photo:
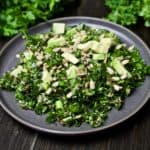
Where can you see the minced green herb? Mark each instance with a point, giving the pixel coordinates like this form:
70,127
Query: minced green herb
75,74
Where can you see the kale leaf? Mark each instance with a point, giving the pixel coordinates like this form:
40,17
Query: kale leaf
16,15
127,12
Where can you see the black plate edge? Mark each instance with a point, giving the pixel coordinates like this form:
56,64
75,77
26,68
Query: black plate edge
72,133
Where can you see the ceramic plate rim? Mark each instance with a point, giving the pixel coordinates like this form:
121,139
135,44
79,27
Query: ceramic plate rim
92,130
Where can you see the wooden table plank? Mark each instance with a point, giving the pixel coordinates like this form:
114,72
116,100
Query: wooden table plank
14,135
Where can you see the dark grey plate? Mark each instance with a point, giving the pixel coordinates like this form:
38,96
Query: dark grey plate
132,104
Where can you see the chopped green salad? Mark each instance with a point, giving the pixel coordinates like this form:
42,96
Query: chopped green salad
75,74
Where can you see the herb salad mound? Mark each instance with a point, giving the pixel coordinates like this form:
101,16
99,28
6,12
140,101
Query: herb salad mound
75,74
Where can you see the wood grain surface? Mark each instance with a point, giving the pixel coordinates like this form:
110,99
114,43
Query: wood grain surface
133,134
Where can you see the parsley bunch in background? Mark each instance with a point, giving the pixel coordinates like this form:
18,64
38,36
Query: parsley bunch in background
18,15
127,12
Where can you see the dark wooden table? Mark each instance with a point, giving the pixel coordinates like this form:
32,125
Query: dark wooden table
134,134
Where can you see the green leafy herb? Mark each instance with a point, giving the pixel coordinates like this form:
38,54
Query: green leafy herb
127,12
17,15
